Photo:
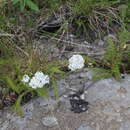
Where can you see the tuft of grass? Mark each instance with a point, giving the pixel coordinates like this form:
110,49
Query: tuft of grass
94,16
116,59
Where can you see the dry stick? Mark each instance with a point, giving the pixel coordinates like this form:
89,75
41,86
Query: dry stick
73,43
61,36
25,53
89,54
64,47
22,51
107,16
6,35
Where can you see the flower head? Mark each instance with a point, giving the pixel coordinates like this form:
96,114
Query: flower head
76,62
26,78
39,80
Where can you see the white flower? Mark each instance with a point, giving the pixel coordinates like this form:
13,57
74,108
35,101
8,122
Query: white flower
26,78
33,83
39,80
76,62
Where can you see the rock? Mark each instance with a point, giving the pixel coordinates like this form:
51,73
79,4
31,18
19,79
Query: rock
33,112
73,76
38,104
51,24
108,110
83,75
105,89
4,126
61,86
89,74
49,121
85,127
125,125
75,82
65,103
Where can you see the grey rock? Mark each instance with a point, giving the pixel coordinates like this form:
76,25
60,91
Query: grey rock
105,89
32,114
4,126
108,110
73,76
75,82
83,75
38,104
125,125
89,74
61,86
109,105
64,104
85,127
49,121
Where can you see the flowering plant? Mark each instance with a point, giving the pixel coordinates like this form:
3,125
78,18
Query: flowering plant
38,80
76,62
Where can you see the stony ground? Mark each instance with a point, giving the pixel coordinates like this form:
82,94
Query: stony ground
109,99
109,107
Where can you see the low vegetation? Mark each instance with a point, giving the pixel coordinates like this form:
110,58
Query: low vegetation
89,18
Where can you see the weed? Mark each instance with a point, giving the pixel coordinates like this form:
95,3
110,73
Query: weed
116,59
94,16
14,65
28,3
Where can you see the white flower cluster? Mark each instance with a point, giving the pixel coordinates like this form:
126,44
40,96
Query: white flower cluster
76,62
37,81
40,79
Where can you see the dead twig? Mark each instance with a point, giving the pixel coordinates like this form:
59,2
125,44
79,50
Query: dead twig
84,53
6,35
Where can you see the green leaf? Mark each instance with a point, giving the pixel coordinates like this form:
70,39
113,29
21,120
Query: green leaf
124,36
42,92
22,6
16,1
89,60
17,106
54,86
100,73
32,5
55,70
12,85
123,10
